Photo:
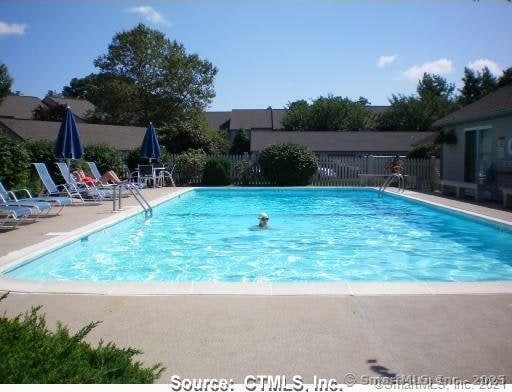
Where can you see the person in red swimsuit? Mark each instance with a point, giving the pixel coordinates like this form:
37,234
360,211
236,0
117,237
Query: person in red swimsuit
104,179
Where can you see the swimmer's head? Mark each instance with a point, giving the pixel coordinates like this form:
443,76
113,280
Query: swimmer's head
263,219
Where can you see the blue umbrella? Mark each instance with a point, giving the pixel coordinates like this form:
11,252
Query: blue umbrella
150,147
68,145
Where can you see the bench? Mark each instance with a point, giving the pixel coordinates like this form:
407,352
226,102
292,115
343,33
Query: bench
460,188
506,193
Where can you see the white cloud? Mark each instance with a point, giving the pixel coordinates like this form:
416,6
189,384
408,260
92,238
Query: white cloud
439,67
12,28
479,65
385,60
149,13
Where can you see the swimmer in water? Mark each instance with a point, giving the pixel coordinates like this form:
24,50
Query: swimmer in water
263,221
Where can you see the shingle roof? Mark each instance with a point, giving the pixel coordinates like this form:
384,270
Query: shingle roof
19,106
265,118
121,137
217,120
257,118
377,109
80,107
344,142
495,104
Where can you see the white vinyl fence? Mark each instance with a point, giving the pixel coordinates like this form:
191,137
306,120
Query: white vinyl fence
422,174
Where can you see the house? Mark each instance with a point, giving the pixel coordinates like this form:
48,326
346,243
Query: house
257,119
19,106
81,108
350,143
124,138
481,151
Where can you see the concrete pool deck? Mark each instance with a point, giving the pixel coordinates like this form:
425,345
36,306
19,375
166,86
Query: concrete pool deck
233,336
78,221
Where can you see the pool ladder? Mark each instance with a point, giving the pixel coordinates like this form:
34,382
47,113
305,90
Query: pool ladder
134,190
395,176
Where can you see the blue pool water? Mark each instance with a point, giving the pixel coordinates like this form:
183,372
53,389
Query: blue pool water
315,235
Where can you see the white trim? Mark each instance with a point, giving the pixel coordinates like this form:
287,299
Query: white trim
478,128
509,145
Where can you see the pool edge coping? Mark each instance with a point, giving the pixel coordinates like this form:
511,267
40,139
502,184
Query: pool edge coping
27,286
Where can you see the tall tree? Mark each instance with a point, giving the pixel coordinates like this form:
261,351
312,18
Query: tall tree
506,78
145,77
489,82
477,84
297,116
5,82
434,100
432,85
327,114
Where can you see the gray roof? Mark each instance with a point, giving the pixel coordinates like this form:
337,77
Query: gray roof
495,104
121,137
19,106
343,142
257,118
376,110
218,120
80,107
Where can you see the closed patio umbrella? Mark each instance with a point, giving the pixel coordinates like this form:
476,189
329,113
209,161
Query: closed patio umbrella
150,147
68,144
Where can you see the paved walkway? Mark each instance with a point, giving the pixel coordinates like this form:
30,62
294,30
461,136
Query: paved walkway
235,336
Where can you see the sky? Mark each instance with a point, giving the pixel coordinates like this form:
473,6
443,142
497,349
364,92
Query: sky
268,53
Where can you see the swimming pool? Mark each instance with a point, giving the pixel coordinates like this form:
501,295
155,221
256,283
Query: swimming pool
315,235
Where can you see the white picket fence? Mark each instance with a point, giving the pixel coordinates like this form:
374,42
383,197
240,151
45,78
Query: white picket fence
338,171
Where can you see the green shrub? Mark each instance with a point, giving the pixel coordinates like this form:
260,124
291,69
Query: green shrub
33,354
449,137
189,166
241,143
425,151
217,171
133,159
244,171
41,151
14,163
288,164
106,157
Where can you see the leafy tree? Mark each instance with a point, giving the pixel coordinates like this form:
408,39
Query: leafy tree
41,151
191,133
425,151
417,112
145,77
506,78
470,92
489,82
327,114
5,82
14,164
477,84
432,85
241,143
45,113
190,165
105,156
218,142
297,116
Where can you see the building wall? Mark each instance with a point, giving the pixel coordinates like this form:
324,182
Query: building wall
501,136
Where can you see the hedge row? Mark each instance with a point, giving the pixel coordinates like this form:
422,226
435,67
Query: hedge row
281,164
